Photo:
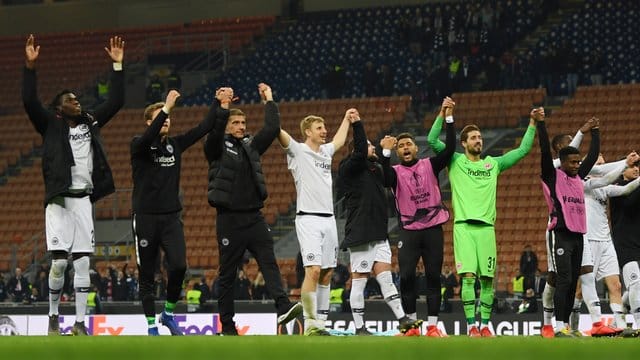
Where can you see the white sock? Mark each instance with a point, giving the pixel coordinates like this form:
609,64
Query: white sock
309,308
432,320
634,302
356,299
56,282
547,303
81,282
590,296
323,294
390,293
413,316
618,316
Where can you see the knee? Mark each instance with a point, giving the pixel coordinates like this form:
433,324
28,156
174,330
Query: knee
312,273
614,285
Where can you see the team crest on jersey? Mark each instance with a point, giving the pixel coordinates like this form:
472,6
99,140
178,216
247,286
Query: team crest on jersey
310,257
364,264
83,127
55,241
634,276
228,144
170,148
560,251
225,242
488,166
399,244
144,243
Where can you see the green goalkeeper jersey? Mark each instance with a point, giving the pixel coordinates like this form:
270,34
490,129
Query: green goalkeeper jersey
474,183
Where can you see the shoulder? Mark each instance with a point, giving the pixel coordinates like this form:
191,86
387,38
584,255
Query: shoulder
327,148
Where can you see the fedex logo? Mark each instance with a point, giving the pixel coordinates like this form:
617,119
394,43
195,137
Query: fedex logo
212,327
97,325
190,324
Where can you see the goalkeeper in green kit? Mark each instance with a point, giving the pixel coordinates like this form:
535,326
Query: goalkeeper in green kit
473,190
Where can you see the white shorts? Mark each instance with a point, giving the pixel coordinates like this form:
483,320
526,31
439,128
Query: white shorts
318,239
363,257
70,228
587,257
605,259
630,273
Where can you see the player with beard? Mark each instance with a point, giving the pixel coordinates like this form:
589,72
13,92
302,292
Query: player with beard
421,214
366,229
474,181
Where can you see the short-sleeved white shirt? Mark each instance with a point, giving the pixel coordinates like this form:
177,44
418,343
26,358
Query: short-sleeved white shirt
312,176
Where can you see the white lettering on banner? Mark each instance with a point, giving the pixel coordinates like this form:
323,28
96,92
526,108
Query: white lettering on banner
248,324
503,328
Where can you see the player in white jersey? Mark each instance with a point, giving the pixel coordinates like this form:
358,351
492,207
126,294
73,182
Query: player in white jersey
587,283
605,261
310,165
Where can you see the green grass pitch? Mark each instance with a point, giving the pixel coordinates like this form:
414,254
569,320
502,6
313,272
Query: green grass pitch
308,348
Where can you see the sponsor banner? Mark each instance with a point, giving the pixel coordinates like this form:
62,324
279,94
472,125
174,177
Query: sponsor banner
265,324
454,324
114,250
14,325
136,324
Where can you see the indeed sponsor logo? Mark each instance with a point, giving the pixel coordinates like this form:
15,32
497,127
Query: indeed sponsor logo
479,173
166,160
80,137
322,165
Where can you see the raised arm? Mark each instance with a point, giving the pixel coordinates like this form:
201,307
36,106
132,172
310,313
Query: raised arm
357,161
341,135
141,144
512,157
594,152
284,138
546,160
433,138
617,190
263,139
443,158
115,99
213,145
610,177
390,178
577,139
223,95
36,112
